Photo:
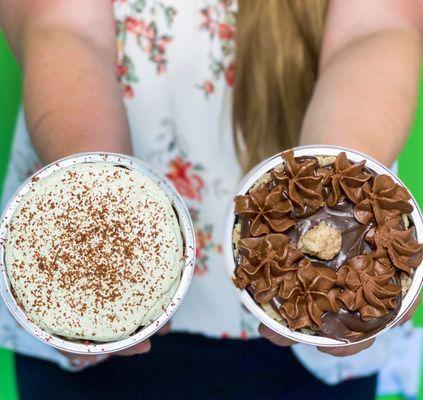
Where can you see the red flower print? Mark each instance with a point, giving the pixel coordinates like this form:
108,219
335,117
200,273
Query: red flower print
205,245
203,239
151,31
219,249
230,74
219,22
161,68
128,92
162,42
208,87
155,46
187,183
200,270
121,70
243,335
226,31
135,25
142,25
207,21
158,58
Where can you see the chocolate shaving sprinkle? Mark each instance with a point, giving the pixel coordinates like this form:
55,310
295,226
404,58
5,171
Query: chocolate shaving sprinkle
95,252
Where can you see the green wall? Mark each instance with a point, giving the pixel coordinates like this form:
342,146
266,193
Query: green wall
411,168
10,88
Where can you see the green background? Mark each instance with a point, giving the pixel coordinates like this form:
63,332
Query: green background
10,88
410,165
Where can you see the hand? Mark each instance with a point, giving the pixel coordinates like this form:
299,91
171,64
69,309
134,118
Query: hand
279,340
83,361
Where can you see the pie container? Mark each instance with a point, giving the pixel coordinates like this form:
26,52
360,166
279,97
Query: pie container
266,166
187,230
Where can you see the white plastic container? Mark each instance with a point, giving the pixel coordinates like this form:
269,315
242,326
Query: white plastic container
187,231
266,166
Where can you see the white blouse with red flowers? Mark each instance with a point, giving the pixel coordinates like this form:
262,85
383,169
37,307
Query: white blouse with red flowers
175,66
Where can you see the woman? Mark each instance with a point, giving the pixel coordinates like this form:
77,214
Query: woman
294,72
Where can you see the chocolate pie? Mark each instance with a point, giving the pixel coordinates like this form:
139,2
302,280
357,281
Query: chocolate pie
326,246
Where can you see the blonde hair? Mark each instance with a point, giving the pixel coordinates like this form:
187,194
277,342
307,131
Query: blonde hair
276,63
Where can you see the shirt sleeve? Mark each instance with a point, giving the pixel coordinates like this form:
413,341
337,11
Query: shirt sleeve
333,370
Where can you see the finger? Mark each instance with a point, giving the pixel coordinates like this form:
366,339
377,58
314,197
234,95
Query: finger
274,337
82,361
165,329
91,361
139,348
348,350
408,315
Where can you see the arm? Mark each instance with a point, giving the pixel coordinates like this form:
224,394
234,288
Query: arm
72,98
367,87
67,52
366,92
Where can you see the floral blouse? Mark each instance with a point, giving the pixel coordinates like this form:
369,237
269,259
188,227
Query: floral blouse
175,67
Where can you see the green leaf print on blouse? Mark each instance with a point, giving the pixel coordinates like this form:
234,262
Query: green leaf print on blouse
171,155
248,330
142,23
126,70
219,22
169,13
138,6
190,185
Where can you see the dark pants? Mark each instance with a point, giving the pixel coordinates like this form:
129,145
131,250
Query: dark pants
189,367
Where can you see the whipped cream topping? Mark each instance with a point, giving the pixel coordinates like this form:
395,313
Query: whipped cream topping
94,251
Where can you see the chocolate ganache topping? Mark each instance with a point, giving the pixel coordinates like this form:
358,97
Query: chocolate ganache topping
355,291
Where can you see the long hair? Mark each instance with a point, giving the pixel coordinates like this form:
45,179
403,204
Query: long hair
276,65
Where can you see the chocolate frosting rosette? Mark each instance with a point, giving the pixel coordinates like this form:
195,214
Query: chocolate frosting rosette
326,242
